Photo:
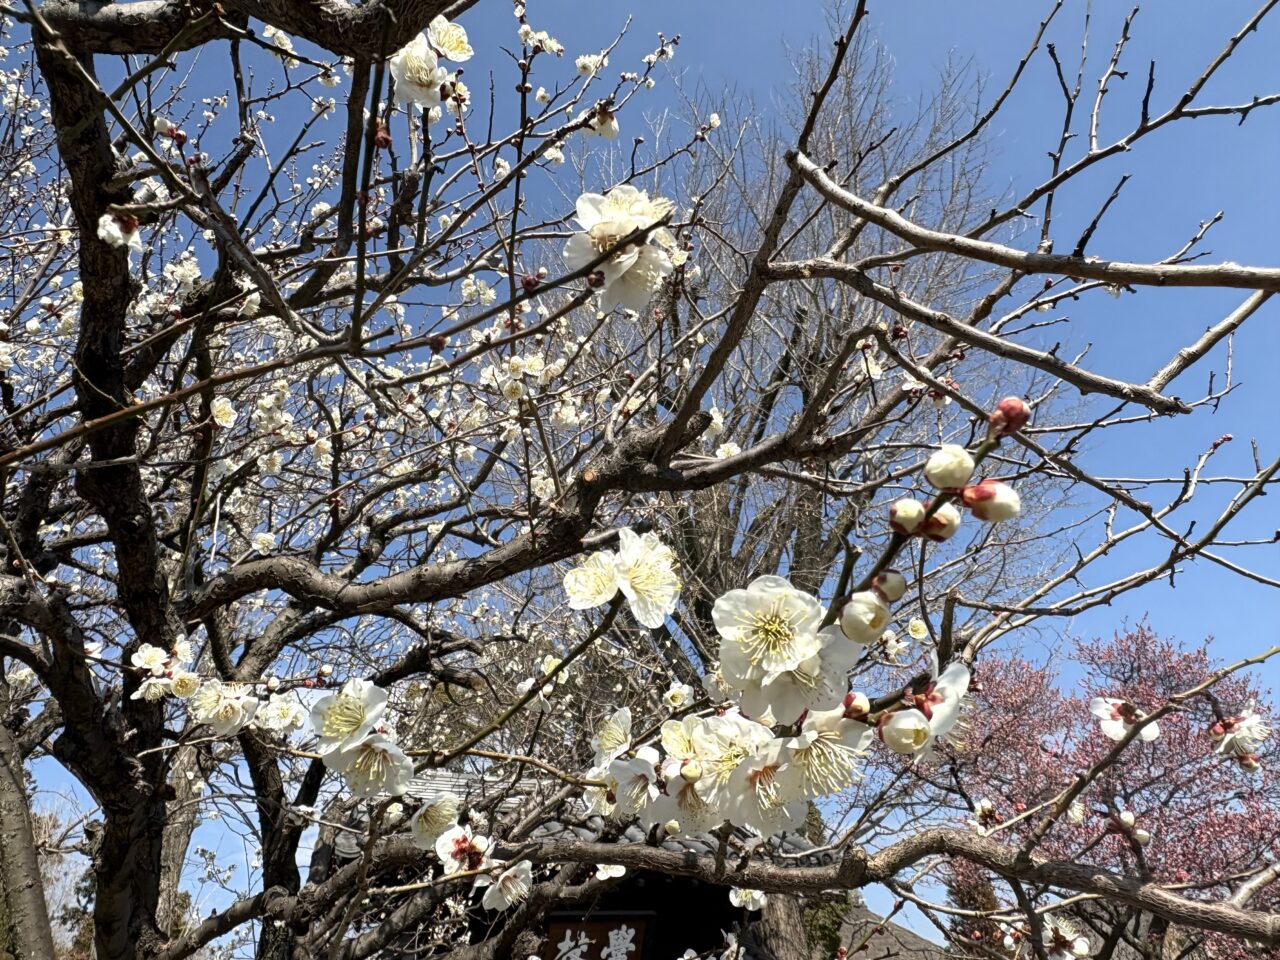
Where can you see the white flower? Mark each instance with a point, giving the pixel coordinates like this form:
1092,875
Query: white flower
152,690
950,467
917,629
748,899
633,273
449,40
432,819
613,738
226,707
864,617
224,414
150,658
183,684
713,121
510,887
1062,941
418,73
893,646
120,230
722,743
1241,734
589,64
992,501
646,571
816,683
825,756
637,780
461,850
594,582
344,718
282,713
716,426
727,449
608,871
264,542
1117,716
764,791
601,122
372,766
678,696
906,731
768,628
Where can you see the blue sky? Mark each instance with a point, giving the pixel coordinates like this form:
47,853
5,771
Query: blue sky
1180,176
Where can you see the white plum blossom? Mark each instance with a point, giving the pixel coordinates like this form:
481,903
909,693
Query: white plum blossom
346,717
459,849
433,818
748,899
510,887
906,515
818,682
282,713
613,739
943,523
374,765
120,230
594,582
418,74
449,40
151,658
633,273
1062,941
646,571
905,731
610,871
1115,717
763,791
589,64
678,696
825,755
1242,734
637,780
223,413
226,707
765,629
727,449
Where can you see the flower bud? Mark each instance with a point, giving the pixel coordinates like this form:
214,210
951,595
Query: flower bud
326,669
1010,415
889,585
273,683
1249,762
950,467
905,516
943,524
864,617
856,706
1141,837
1127,818
992,501
905,732
672,826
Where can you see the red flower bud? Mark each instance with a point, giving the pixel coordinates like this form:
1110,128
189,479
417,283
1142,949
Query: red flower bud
1010,415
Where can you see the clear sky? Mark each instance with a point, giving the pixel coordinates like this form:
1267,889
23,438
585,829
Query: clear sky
1179,176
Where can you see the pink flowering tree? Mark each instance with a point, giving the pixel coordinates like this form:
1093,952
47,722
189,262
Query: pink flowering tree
442,479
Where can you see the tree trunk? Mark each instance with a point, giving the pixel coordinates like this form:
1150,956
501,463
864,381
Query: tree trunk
27,913
779,933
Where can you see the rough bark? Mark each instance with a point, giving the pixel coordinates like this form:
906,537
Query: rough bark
24,903
779,933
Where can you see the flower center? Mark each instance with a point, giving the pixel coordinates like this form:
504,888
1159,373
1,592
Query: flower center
764,783
344,717
769,636
828,764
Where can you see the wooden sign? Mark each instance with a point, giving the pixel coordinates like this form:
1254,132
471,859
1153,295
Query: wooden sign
601,938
